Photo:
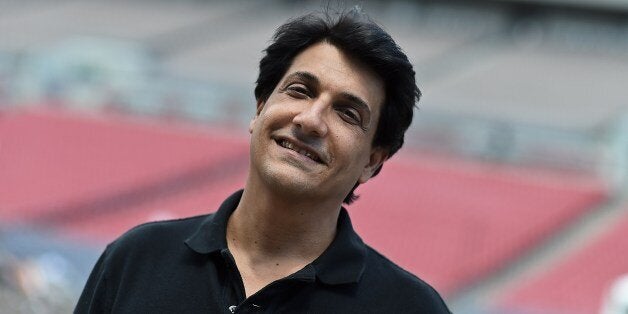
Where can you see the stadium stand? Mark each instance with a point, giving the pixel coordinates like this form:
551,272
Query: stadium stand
578,283
454,222
58,166
197,200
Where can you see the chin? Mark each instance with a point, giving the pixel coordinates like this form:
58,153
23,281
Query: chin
289,181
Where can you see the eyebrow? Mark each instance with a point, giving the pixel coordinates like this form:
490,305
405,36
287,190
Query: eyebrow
311,78
306,76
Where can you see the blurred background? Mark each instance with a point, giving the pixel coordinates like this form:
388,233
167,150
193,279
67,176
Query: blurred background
509,196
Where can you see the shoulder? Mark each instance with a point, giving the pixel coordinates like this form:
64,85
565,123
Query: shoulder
166,229
154,237
381,268
138,264
398,284
162,231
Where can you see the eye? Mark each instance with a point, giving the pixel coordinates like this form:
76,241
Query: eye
297,90
350,114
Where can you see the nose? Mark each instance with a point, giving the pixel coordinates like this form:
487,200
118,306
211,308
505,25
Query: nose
311,119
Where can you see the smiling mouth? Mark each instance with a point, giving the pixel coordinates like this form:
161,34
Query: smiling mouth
291,146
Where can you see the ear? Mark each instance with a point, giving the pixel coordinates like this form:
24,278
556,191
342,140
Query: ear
376,159
260,106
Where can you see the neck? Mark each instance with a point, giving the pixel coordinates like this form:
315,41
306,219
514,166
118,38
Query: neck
272,235
270,226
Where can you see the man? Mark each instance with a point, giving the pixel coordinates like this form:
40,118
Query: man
334,98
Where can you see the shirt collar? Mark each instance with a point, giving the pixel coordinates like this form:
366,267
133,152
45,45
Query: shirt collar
345,258
211,235
342,262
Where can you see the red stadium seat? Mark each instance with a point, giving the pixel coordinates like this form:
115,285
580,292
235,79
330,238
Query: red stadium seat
454,222
577,283
60,165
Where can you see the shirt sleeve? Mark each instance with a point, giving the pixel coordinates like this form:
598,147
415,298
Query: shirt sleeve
95,296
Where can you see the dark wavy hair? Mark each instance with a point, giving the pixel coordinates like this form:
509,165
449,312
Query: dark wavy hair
355,34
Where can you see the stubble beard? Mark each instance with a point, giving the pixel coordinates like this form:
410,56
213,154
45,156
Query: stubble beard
288,181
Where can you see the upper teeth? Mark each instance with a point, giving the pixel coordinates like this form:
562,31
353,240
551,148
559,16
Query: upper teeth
301,151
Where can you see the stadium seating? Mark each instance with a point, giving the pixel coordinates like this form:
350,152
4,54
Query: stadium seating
57,166
454,222
578,283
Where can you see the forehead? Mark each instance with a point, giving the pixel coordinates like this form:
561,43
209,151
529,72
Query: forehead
337,72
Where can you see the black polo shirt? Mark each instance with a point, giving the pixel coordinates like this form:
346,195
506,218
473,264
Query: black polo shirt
184,266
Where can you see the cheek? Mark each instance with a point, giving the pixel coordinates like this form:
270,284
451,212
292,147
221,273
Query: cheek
278,115
354,145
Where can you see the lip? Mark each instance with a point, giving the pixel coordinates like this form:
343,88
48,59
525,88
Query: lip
302,146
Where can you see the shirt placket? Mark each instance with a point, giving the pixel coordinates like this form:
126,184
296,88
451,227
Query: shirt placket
237,300
234,293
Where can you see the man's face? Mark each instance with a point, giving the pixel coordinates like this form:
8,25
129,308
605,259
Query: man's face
313,135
